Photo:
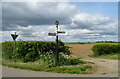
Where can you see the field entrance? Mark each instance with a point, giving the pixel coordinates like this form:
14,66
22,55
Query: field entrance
79,50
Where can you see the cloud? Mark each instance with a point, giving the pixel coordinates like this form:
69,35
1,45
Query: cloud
33,13
93,23
89,21
34,20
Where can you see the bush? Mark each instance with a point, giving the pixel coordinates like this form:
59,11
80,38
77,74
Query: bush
100,49
63,60
67,60
31,50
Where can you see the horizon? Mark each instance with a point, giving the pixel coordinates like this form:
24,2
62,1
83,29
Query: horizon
71,42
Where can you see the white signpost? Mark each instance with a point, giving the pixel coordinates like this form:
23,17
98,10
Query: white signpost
56,34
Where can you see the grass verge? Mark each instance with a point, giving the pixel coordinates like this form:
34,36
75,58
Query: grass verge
41,66
36,66
71,70
110,56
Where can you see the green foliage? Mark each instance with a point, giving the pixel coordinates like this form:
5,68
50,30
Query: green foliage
67,60
75,61
72,70
31,50
49,59
63,60
83,68
101,49
7,50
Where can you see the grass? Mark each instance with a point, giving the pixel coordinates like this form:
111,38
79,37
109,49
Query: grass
110,56
71,70
41,66
104,73
36,66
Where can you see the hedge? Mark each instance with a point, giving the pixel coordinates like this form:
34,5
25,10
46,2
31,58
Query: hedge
100,49
31,50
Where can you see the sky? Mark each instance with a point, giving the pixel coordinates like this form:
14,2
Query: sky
82,21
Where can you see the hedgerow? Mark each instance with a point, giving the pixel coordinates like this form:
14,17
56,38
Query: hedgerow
101,49
31,50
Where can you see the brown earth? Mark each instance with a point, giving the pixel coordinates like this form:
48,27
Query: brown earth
101,66
78,50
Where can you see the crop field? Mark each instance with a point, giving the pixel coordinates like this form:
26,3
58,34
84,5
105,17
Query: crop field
78,50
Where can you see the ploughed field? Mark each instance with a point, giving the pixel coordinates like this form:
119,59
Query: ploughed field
78,50
101,65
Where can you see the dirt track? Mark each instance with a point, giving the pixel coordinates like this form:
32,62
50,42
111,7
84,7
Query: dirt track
103,66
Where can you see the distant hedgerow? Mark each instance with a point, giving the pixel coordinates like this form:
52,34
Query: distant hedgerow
100,49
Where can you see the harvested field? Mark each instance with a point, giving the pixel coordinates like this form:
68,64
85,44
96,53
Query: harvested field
80,49
102,66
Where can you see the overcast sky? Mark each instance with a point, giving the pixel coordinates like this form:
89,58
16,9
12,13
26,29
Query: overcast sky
82,21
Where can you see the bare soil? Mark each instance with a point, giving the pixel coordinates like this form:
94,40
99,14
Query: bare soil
78,50
101,66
